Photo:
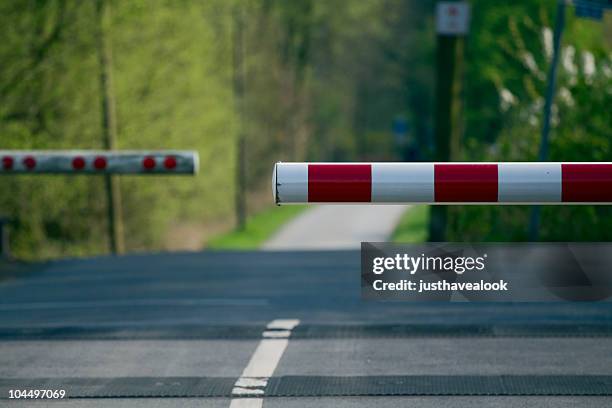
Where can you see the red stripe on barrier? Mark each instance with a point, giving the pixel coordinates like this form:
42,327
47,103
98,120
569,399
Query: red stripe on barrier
470,183
586,182
339,183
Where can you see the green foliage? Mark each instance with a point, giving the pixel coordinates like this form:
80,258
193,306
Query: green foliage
167,88
323,82
259,228
413,225
508,60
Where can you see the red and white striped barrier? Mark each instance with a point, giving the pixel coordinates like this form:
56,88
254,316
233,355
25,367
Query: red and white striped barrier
448,183
97,162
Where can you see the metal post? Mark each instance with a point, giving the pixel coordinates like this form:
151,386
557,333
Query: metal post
109,129
534,222
239,91
5,252
449,68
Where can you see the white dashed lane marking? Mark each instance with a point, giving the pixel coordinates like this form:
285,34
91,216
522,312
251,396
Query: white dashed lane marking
249,389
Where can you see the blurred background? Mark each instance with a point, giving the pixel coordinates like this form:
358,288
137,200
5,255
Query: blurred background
248,83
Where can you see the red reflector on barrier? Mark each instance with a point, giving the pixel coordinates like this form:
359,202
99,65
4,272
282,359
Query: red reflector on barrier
7,162
170,162
586,182
29,162
470,183
148,163
339,183
78,163
99,163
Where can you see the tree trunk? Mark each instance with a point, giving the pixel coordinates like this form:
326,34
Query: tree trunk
109,127
239,85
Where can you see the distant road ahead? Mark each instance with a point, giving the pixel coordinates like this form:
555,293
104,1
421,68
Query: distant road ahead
338,227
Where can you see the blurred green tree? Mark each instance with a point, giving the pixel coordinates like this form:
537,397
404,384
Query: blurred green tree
509,49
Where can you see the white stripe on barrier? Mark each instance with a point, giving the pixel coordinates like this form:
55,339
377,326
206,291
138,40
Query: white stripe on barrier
529,182
392,184
292,182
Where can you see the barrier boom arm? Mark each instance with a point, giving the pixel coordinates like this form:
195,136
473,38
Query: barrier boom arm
94,162
443,183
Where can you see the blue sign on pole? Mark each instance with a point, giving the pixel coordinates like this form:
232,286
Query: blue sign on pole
400,126
591,9
400,130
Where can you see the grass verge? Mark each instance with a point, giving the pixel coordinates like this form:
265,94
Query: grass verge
259,228
413,225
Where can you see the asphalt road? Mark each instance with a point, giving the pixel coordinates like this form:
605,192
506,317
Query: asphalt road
337,227
284,329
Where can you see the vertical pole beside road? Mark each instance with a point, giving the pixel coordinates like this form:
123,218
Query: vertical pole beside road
452,20
534,220
239,84
109,130
5,252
